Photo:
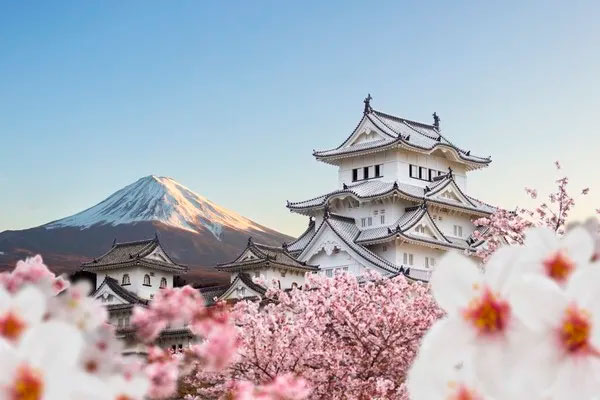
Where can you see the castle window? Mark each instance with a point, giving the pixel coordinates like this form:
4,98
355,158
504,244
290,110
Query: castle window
423,173
163,283
147,280
458,231
366,173
429,262
378,171
125,280
382,216
369,221
408,258
354,174
363,222
413,171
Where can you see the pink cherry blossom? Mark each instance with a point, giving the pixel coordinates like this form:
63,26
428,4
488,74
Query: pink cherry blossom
340,334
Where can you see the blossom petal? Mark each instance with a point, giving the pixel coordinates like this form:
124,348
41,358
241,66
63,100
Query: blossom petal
51,344
537,301
5,299
579,245
501,269
455,281
31,304
540,239
9,361
576,378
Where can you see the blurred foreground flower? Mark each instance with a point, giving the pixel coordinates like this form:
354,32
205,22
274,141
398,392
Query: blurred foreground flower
526,328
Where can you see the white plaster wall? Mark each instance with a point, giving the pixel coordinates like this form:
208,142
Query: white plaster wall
448,220
136,277
339,261
394,209
396,167
419,253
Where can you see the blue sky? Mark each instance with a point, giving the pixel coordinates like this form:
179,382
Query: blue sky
230,98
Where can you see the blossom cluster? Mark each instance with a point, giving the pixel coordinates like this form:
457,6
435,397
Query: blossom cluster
56,344
508,227
527,327
347,338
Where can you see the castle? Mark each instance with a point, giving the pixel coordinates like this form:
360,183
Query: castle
399,204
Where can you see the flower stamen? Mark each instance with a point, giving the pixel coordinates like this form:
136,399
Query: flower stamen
11,326
28,384
461,392
559,266
488,313
575,330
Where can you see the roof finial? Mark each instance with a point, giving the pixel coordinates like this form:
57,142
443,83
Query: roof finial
436,121
155,236
250,241
114,242
367,102
326,211
450,172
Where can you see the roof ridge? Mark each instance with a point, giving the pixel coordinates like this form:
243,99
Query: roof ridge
401,119
135,242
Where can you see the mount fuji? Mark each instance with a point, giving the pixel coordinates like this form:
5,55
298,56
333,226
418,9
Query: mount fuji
193,229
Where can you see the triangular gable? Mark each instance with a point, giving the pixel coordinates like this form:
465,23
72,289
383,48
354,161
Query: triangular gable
450,192
365,132
250,253
424,227
107,296
159,254
328,240
239,290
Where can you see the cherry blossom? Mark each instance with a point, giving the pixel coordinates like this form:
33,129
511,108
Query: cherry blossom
32,271
20,311
556,257
567,322
43,366
341,335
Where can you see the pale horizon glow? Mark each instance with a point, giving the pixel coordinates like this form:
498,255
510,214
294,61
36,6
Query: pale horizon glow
230,99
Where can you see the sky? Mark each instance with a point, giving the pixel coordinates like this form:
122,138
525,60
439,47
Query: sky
230,98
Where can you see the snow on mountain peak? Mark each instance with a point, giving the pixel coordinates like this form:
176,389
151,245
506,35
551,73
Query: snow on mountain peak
162,199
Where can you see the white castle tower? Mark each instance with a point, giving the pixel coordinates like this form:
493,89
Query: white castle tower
401,200
400,203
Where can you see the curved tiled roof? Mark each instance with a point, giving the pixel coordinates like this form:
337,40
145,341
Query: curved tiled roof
376,188
120,291
345,228
126,254
266,254
401,132
300,243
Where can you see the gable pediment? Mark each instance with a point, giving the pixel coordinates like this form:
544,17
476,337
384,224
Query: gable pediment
239,290
425,228
366,132
248,255
328,243
158,254
450,193
107,296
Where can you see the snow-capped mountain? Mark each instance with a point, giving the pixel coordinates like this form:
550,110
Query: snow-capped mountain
194,230
159,199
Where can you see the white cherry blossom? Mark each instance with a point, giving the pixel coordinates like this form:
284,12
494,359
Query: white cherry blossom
567,323
20,311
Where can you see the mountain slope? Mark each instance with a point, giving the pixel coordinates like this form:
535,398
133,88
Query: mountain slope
194,230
